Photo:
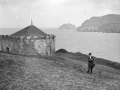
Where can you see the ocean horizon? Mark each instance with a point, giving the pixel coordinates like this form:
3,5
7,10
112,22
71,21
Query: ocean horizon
101,45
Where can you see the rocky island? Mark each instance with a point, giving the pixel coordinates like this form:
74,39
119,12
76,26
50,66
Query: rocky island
67,26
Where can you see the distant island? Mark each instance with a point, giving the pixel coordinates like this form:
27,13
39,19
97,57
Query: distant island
107,24
67,26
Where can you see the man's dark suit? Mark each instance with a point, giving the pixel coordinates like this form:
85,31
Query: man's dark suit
90,64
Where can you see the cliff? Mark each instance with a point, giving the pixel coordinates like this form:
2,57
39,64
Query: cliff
108,24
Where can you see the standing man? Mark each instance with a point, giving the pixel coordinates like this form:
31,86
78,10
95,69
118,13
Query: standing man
90,63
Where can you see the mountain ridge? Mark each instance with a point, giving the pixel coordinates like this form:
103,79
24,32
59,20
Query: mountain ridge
108,24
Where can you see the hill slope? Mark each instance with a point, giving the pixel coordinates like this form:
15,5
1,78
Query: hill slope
108,23
60,72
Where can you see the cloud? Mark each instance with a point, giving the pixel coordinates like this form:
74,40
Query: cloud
111,5
54,12
11,2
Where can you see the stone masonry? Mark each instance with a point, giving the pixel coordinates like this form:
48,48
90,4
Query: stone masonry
28,44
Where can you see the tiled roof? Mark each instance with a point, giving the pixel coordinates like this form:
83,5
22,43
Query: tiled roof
30,31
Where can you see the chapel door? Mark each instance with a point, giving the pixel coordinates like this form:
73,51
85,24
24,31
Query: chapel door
7,49
49,50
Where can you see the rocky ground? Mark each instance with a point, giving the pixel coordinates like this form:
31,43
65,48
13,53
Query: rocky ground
60,72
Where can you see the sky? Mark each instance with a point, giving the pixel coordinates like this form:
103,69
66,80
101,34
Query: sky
53,13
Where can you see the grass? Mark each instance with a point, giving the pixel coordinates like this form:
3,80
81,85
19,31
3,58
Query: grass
60,72
83,57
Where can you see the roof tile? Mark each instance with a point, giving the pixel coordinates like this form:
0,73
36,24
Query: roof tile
30,31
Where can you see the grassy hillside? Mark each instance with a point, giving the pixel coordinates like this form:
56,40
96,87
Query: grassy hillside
83,57
61,72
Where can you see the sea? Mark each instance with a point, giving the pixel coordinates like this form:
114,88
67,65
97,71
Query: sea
101,45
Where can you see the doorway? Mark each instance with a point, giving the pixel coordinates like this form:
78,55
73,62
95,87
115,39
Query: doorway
7,49
49,50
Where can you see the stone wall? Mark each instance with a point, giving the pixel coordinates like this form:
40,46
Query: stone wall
10,44
29,45
50,41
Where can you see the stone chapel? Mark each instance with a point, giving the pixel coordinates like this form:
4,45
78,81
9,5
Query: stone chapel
28,41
